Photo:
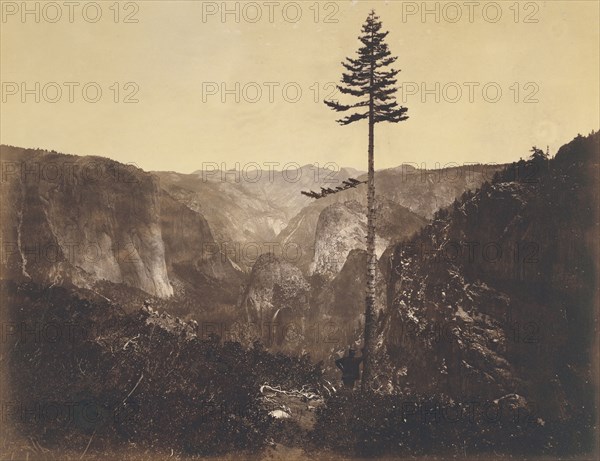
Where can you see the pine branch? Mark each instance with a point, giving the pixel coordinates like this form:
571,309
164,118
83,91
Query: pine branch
343,107
336,106
352,118
392,117
356,93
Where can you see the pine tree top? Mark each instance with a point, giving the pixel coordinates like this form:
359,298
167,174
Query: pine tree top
369,78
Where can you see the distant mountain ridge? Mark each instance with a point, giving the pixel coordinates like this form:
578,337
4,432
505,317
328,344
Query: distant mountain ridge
192,235
247,209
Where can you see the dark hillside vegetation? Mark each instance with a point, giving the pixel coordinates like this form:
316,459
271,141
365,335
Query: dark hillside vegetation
494,302
83,372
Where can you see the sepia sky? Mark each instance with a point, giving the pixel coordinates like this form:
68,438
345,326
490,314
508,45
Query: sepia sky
542,56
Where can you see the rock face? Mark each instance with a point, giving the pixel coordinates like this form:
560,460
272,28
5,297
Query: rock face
197,267
496,296
342,227
81,220
299,235
275,286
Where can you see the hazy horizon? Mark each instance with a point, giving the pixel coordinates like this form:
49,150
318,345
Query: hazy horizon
251,167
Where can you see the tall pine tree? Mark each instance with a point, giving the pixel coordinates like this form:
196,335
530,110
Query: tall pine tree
369,79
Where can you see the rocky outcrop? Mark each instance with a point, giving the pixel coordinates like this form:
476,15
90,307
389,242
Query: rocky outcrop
342,227
298,237
275,289
497,295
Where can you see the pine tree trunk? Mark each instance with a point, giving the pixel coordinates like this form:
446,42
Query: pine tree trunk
370,330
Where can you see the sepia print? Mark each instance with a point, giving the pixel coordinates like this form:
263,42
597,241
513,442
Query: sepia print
299,230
